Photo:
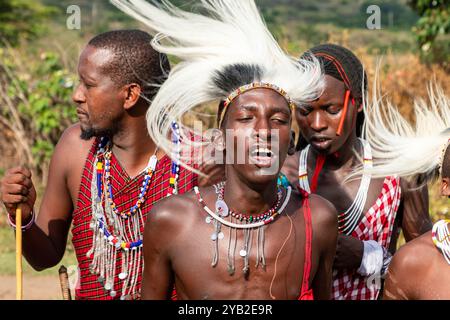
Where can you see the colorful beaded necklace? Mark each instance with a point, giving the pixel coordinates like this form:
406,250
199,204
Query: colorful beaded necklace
116,231
441,238
252,218
175,167
143,191
237,222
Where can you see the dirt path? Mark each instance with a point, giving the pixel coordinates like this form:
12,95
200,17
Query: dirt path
34,288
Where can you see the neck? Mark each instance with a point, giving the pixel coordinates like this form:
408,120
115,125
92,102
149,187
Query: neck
132,145
248,198
344,158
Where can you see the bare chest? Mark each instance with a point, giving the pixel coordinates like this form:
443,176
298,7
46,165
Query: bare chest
218,269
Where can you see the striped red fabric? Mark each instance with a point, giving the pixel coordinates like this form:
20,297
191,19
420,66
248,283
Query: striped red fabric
126,191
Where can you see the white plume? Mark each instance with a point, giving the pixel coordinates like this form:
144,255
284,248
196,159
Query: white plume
398,147
230,32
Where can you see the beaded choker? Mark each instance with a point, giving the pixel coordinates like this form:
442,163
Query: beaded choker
120,233
250,218
441,238
239,221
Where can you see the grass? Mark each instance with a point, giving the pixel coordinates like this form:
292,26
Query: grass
8,260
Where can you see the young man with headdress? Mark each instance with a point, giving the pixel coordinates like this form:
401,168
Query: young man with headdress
246,238
420,153
105,173
370,209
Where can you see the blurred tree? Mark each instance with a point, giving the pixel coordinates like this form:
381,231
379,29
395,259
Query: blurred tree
35,104
433,24
22,19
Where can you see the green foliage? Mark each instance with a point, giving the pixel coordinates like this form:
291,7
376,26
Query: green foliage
22,19
340,13
40,90
432,30
7,257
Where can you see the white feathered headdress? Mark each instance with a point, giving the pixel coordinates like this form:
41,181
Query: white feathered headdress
402,149
227,47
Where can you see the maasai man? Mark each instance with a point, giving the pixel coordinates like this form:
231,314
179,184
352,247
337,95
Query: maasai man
370,209
105,173
246,238
421,268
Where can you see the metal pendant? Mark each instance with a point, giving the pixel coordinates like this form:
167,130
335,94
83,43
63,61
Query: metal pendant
222,208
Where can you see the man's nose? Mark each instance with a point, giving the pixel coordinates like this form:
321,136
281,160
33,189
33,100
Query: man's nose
318,121
78,95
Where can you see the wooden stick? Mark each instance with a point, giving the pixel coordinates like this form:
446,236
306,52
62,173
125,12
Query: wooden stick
64,282
19,287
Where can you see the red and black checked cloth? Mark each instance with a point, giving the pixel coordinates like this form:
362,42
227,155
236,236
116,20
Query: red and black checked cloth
376,225
126,191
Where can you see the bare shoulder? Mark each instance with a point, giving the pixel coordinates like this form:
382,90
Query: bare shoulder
324,223
71,148
415,255
411,260
173,214
71,139
323,212
69,158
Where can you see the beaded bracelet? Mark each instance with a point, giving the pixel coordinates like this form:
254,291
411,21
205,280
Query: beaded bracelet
25,227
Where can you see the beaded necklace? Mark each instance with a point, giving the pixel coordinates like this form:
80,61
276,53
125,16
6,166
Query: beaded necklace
143,191
175,167
248,226
349,219
115,231
250,218
441,238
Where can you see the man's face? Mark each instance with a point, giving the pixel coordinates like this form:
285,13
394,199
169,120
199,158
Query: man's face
99,100
319,120
259,124
445,187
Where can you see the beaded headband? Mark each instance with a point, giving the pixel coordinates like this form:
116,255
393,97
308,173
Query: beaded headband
248,87
441,158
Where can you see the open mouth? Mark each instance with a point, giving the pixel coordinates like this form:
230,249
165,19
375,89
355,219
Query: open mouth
262,156
261,152
321,142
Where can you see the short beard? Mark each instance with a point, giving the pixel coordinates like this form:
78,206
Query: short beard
87,134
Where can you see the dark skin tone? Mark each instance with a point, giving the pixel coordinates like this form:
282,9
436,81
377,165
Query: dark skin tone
101,105
419,270
176,230
318,123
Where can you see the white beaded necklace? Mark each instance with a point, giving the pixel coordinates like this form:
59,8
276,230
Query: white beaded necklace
441,238
349,219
